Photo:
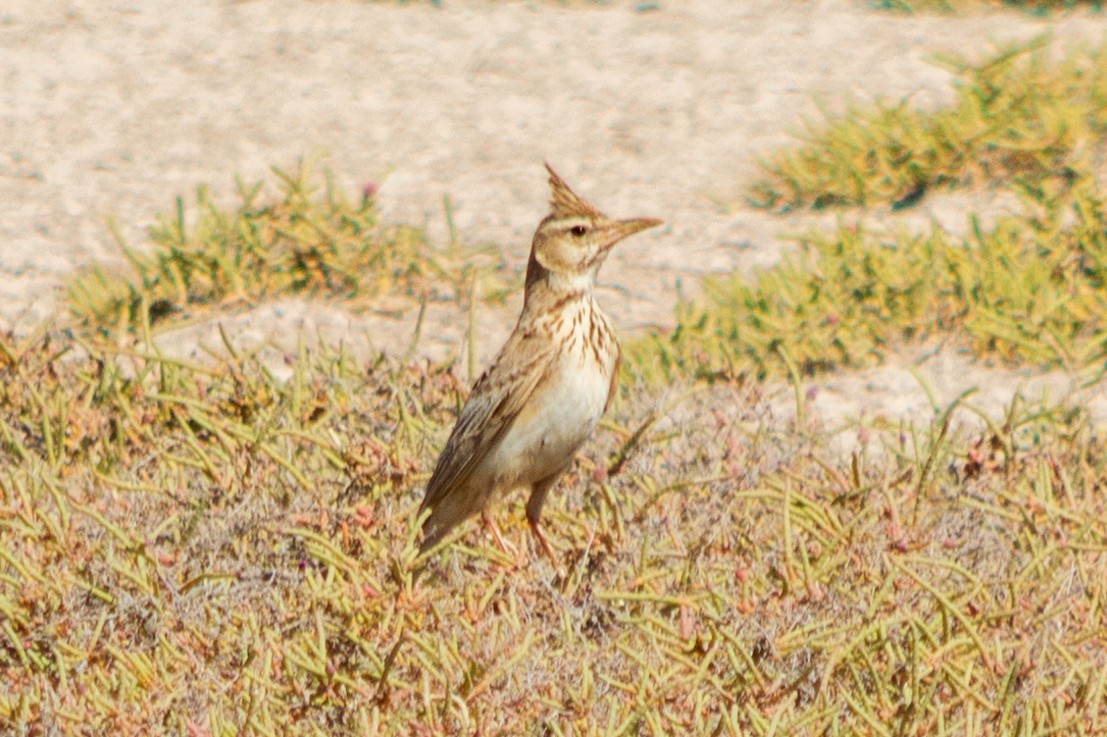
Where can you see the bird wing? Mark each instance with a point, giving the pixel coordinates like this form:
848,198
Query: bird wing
496,400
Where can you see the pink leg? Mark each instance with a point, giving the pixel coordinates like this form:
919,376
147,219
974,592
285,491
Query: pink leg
534,514
490,525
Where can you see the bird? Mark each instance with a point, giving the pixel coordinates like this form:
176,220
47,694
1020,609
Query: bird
540,399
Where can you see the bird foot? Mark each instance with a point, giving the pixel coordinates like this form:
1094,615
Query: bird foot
504,546
547,549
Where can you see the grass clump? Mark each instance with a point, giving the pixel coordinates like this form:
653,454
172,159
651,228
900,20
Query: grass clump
303,242
159,522
1018,117
1033,7
207,550
1031,290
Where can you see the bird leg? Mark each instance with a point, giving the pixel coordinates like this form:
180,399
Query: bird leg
490,525
534,514
544,543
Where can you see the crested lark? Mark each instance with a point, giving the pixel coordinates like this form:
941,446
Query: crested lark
541,398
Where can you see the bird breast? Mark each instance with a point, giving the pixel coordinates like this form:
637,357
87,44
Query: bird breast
566,407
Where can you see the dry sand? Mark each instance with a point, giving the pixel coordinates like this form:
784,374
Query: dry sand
111,108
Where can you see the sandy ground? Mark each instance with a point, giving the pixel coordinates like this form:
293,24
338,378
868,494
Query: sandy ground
112,108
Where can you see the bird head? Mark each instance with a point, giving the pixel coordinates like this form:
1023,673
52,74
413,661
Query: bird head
574,239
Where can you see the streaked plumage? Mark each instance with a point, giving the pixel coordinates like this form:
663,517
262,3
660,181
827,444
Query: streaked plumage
541,398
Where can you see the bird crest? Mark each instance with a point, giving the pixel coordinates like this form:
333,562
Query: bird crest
565,203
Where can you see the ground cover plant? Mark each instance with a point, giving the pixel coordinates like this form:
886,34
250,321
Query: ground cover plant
1028,290
1018,117
1035,7
308,240
1031,290
208,549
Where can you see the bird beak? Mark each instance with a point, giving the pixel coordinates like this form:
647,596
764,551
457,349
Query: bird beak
620,229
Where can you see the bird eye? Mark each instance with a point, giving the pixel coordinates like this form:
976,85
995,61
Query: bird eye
578,230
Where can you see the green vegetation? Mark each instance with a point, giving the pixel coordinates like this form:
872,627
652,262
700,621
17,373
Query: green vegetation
1018,120
208,550
1034,7
301,243
1031,290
